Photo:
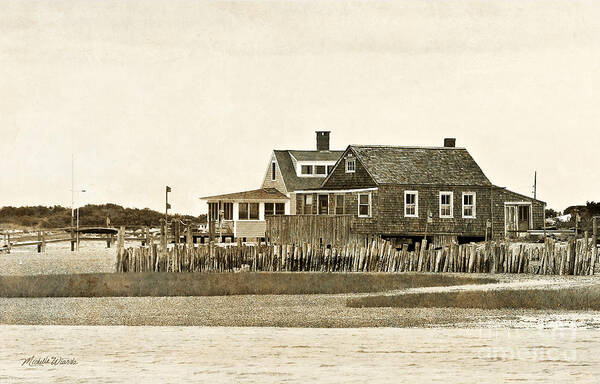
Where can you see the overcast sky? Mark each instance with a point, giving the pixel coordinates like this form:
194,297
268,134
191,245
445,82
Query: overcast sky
196,94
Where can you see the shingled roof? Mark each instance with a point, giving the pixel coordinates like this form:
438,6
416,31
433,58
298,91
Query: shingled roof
316,155
420,165
262,194
288,170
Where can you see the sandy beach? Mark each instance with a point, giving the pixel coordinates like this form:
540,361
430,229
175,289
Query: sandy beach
314,310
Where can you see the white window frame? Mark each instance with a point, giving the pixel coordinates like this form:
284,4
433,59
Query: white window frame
353,161
247,218
474,205
416,193
358,204
319,174
446,193
313,164
312,170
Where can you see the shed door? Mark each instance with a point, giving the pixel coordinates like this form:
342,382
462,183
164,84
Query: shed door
524,214
518,218
510,217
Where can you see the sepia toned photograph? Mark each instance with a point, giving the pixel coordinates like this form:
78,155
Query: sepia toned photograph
299,191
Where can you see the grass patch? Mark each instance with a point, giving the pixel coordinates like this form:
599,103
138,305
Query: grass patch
218,284
583,298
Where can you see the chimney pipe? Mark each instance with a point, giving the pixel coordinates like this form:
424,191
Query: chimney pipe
449,142
322,140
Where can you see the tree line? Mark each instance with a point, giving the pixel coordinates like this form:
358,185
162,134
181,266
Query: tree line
89,215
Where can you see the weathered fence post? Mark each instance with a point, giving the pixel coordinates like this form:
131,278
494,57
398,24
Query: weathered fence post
39,239
120,250
72,237
594,243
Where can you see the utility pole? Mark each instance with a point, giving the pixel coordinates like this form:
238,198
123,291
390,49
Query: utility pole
167,207
77,236
72,201
535,184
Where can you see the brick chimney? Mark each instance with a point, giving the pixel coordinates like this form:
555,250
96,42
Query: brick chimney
322,140
449,142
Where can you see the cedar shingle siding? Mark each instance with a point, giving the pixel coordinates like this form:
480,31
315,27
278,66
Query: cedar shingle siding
394,170
340,179
278,183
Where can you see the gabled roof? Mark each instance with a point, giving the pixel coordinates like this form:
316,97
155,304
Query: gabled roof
316,155
288,171
420,165
262,194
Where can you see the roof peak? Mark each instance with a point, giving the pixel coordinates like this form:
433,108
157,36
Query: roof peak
308,150
400,146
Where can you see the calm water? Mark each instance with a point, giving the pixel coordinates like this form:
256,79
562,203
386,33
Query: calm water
263,355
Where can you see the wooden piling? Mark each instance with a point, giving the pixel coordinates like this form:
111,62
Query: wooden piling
594,244
39,239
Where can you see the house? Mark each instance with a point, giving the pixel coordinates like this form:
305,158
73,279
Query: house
242,214
291,171
407,193
397,192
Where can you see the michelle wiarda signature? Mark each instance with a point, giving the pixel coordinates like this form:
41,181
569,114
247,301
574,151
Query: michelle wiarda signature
35,361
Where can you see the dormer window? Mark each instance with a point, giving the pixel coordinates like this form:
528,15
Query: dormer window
350,165
314,169
307,170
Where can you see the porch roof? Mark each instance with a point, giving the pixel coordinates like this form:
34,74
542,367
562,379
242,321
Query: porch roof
262,194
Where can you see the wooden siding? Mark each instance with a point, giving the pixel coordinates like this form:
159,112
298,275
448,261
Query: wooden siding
278,182
391,219
250,229
293,204
387,211
339,179
390,212
501,196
